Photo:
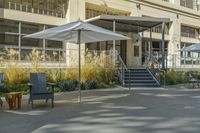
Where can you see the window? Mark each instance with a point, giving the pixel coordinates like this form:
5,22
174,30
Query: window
56,8
187,3
53,44
28,42
191,32
28,28
9,26
1,3
187,57
166,0
158,29
93,10
6,39
136,51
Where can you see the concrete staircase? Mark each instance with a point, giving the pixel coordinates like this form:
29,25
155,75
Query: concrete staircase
139,78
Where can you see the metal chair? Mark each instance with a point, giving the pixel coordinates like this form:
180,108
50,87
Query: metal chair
191,79
38,88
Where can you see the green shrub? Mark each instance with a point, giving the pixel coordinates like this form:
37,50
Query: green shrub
84,86
173,77
92,84
68,85
16,88
53,75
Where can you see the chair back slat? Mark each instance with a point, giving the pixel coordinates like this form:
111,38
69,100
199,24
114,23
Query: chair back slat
1,77
38,81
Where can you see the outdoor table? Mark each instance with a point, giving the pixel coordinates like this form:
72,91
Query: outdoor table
14,100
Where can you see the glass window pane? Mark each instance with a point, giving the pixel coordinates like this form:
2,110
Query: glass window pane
54,44
191,32
9,26
1,4
27,2
187,3
6,39
31,28
28,42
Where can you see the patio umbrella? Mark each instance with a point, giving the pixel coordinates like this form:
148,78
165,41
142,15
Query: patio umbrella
192,48
78,32
2,53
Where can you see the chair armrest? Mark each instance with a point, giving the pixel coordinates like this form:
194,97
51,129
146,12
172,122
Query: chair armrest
29,85
52,86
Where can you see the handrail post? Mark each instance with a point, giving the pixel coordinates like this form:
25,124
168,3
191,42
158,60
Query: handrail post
164,78
15,6
129,80
9,5
123,74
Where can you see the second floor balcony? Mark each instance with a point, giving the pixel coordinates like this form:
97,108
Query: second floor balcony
50,9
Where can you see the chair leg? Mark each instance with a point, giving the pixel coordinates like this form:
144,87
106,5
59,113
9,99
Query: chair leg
47,100
52,102
1,102
29,101
32,104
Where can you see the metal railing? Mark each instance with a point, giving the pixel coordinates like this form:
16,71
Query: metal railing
29,8
121,70
155,70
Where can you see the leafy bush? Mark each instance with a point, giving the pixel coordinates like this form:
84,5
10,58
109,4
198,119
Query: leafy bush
68,85
92,84
70,74
173,77
84,86
36,57
97,71
16,87
53,75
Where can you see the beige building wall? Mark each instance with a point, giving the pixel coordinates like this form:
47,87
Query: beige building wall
155,8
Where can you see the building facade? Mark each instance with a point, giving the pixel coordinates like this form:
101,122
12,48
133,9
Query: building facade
21,17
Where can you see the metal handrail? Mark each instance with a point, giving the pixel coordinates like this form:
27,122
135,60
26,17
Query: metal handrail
124,67
152,58
120,58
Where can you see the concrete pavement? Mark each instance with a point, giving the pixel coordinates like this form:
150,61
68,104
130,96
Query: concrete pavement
117,110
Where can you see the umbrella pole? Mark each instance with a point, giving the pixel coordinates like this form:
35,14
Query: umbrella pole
79,65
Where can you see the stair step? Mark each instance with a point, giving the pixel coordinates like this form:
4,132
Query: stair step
140,81
137,71
141,85
139,78
137,74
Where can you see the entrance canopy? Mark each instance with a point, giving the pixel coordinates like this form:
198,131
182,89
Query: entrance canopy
127,23
132,24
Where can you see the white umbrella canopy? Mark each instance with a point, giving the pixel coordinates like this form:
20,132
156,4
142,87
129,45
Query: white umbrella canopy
192,48
69,33
78,32
2,53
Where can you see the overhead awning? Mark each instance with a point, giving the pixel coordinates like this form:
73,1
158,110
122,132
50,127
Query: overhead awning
127,23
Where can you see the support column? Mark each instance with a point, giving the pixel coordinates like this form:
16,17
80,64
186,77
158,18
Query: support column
19,41
44,45
114,54
150,43
76,10
163,45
